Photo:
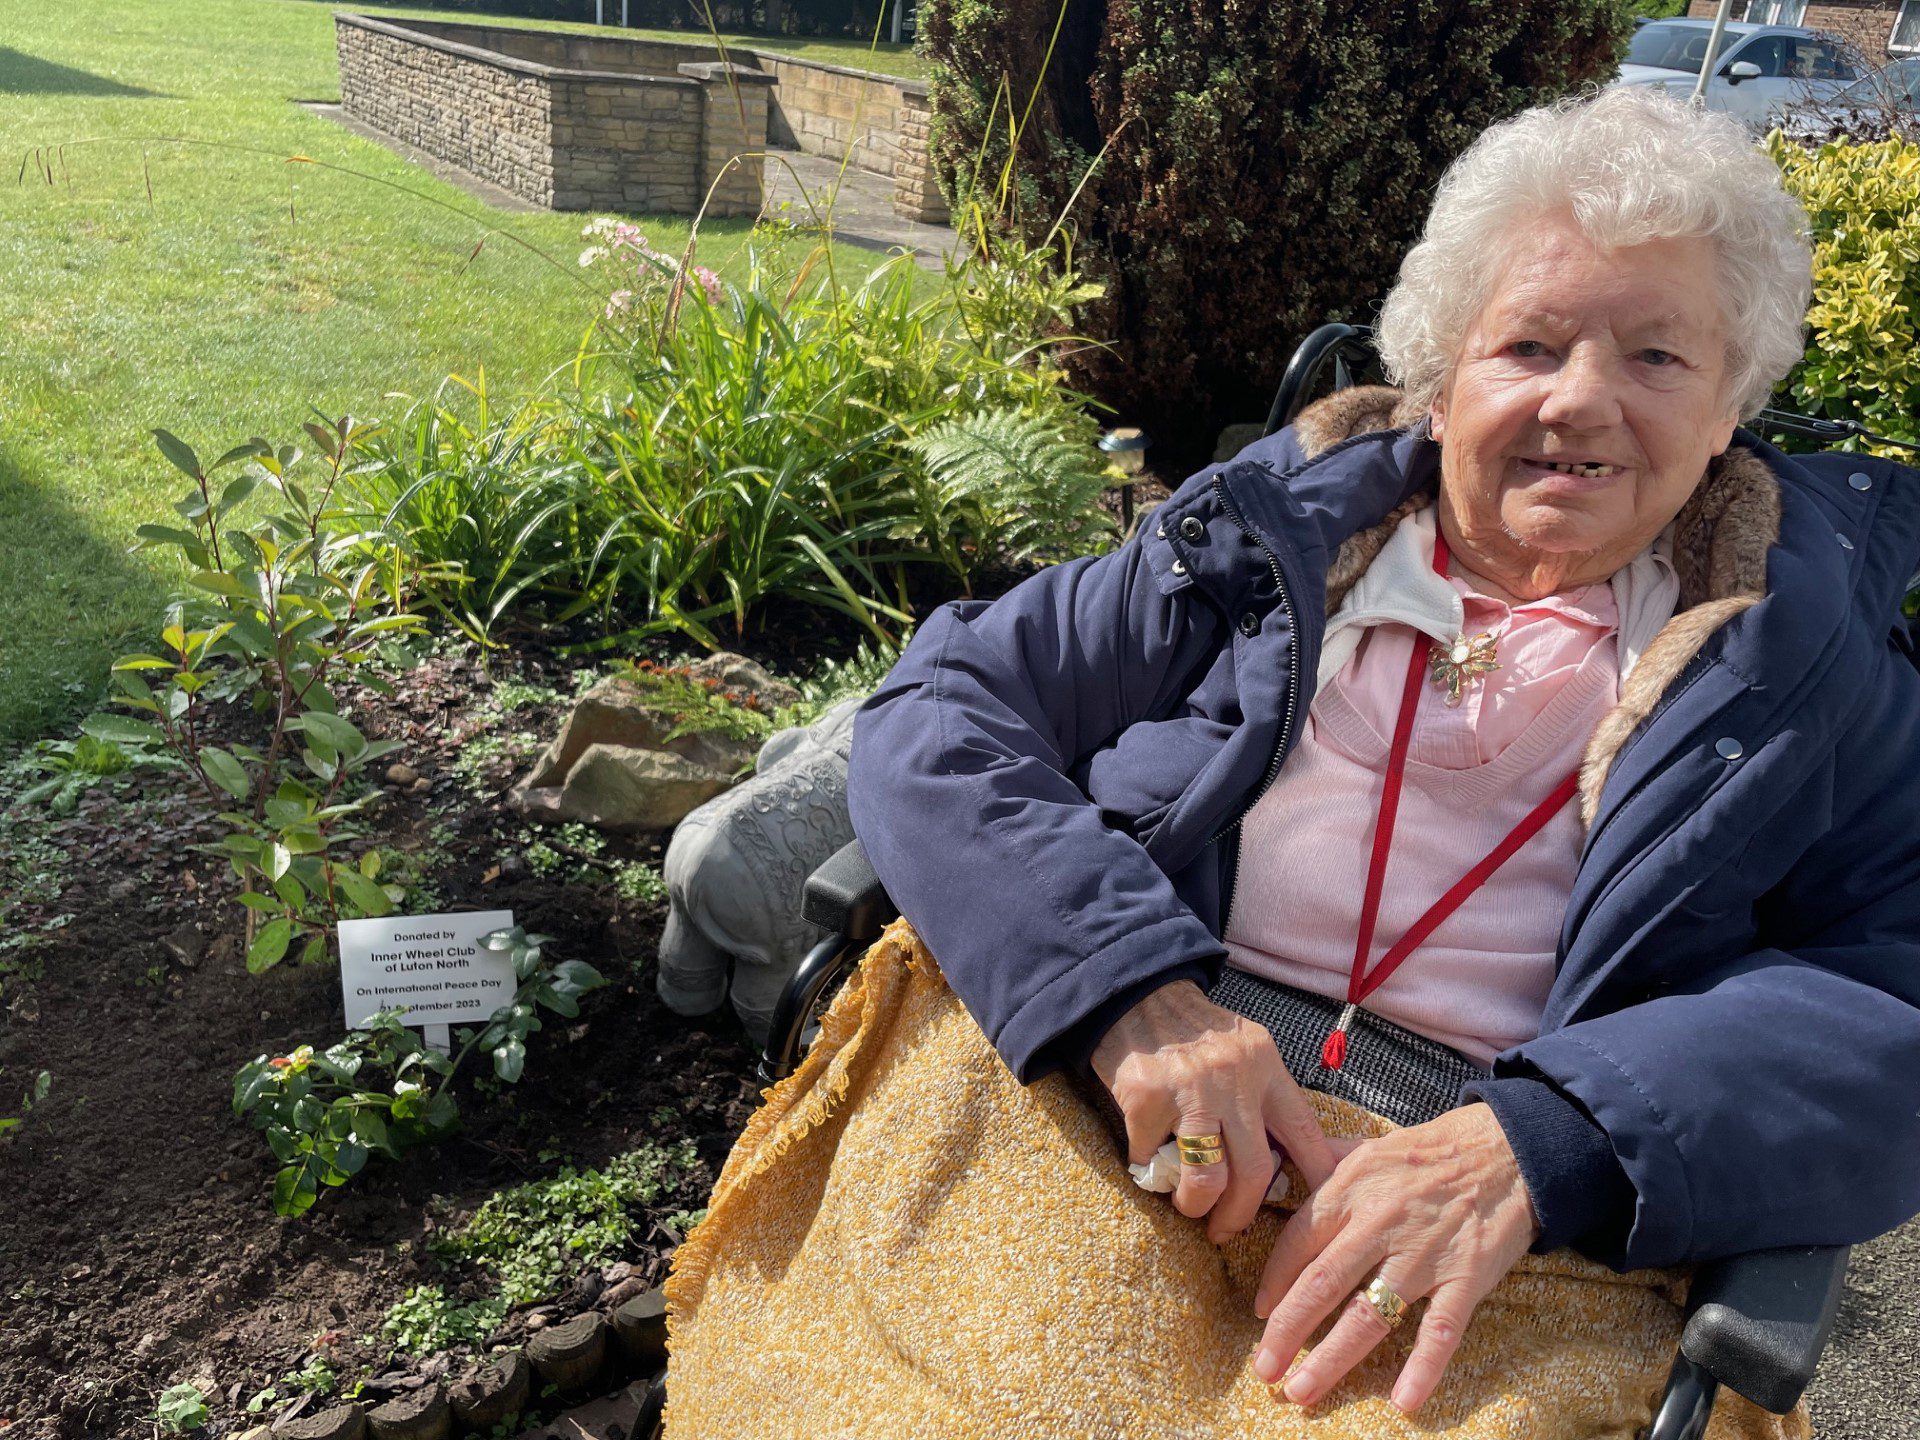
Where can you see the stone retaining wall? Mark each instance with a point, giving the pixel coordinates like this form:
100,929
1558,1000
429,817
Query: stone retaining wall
587,121
822,109
565,138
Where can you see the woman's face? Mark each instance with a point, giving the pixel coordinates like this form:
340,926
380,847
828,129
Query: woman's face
1586,400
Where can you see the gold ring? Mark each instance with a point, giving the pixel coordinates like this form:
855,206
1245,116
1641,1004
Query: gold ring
1386,1303
1202,1149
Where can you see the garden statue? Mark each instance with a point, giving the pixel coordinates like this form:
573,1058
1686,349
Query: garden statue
736,866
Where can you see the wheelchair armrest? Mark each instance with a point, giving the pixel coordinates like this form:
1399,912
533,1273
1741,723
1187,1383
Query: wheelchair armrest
1758,1322
846,897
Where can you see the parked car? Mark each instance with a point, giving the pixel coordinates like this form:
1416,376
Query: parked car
1763,71
1869,109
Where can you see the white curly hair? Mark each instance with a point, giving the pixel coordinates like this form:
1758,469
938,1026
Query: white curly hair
1630,165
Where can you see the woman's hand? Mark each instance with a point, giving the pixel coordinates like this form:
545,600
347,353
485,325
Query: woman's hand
1436,1210
1177,1064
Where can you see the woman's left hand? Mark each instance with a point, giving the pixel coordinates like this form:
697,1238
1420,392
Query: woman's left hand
1435,1210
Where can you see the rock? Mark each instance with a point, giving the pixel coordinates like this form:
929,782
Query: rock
258,1432
401,775
491,1393
569,1355
737,672
1236,438
612,766
641,1325
342,1422
421,1414
185,946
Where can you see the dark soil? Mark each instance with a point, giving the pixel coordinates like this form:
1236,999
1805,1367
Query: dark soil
138,1245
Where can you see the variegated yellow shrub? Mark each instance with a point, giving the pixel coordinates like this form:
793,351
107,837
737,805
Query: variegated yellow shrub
1863,343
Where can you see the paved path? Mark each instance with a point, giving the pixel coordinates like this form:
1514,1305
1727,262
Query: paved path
1868,1387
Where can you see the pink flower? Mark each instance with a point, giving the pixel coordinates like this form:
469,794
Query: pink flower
709,282
619,303
628,237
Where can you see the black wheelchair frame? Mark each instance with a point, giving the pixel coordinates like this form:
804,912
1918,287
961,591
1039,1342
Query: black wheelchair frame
1755,1323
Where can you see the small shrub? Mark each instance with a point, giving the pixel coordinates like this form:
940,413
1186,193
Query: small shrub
278,611
322,1118
1863,344
1235,173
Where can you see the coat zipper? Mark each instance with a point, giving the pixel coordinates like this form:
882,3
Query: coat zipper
1293,693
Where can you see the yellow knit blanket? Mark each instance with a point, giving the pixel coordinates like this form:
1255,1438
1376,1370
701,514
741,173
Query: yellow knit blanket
907,1242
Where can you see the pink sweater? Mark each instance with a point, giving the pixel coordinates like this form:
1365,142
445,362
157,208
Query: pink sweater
1473,772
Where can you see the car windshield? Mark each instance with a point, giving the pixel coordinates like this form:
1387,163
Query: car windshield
1671,47
1898,84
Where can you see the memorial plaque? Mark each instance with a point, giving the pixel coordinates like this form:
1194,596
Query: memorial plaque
434,965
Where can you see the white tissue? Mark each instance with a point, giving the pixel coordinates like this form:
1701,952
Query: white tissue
1161,1174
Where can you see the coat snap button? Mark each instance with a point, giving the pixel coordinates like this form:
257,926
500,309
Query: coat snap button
1249,624
1845,543
1159,532
1728,748
1192,528
1179,567
1860,480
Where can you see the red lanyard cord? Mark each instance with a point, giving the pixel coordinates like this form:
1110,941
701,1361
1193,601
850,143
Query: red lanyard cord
1362,983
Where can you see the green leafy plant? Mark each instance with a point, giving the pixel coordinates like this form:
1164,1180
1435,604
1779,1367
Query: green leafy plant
532,1237
638,881
36,1092
427,1319
278,611
76,766
182,1409
717,448
383,1090
1009,485
1863,342
477,501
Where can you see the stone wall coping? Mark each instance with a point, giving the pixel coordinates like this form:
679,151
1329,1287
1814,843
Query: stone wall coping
901,83
501,61
713,70
420,30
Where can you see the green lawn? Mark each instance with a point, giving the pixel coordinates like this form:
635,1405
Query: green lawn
218,291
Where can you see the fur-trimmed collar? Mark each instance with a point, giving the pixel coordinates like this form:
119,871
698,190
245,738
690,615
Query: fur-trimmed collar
1720,542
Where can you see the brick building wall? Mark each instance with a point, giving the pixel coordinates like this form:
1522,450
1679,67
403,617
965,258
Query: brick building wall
1867,24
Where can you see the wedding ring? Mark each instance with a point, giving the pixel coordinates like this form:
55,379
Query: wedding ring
1202,1149
1386,1303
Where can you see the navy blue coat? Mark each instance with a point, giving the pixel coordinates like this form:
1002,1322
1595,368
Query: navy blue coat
1049,786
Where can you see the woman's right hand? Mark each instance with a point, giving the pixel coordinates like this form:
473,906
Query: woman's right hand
1178,1064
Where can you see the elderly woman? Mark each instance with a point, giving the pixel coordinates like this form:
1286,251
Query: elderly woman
1495,804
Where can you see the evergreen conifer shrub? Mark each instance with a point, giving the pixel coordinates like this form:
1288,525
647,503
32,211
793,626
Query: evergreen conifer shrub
1268,161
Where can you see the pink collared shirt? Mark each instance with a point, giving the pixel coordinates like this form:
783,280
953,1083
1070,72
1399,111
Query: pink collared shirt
1480,982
